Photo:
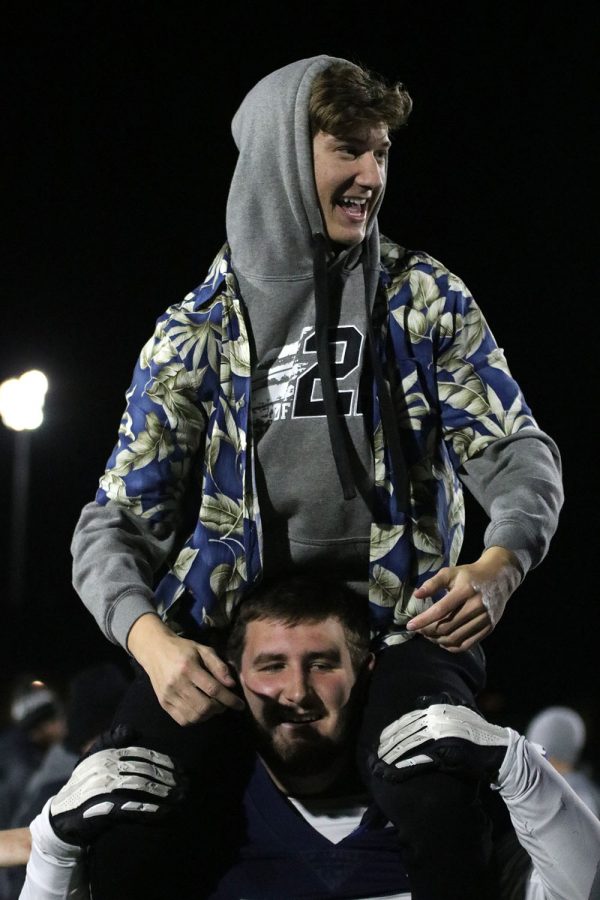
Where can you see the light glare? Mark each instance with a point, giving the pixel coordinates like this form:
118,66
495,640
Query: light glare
22,400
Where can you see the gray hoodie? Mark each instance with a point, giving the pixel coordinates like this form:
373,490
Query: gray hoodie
272,218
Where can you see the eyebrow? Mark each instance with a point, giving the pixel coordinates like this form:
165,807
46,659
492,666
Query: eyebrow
350,139
331,655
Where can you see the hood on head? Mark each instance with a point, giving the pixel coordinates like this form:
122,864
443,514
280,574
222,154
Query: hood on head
272,208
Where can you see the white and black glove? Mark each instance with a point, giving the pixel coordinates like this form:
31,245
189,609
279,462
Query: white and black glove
113,784
452,739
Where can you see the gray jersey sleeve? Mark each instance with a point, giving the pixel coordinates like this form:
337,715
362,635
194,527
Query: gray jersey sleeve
517,481
560,834
116,555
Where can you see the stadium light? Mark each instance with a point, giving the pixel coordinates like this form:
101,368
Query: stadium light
22,401
22,410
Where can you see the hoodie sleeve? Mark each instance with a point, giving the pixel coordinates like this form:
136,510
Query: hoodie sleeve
517,481
116,555
508,464
123,538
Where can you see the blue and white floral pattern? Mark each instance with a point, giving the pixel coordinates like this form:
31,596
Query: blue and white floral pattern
188,418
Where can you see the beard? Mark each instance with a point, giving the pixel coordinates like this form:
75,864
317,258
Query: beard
306,754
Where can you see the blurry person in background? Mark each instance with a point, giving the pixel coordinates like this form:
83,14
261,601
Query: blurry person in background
37,721
93,695
562,733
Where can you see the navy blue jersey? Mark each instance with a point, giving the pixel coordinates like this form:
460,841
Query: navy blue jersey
282,855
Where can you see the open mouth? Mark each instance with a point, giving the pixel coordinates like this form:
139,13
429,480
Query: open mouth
354,207
299,719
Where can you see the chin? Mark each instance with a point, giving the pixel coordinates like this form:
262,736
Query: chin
345,243
300,756
303,757
351,240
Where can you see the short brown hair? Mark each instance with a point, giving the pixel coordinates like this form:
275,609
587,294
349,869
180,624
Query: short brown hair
345,96
297,600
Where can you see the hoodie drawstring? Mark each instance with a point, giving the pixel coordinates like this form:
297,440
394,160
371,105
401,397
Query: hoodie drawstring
388,414
386,406
336,434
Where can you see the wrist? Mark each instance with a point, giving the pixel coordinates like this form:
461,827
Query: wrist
46,840
502,558
146,634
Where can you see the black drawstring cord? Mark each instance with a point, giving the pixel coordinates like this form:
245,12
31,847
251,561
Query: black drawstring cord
336,434
389,420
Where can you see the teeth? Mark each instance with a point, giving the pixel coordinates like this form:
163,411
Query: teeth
302,720
351,201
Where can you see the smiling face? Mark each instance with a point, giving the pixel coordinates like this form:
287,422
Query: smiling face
350,175
298,682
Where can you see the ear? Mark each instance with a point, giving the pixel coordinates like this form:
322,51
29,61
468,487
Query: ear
366,667
234,672
363,675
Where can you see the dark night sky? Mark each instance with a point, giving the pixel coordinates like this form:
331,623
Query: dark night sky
116,123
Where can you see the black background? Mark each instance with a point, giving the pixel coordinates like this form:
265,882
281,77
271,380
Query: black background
116,124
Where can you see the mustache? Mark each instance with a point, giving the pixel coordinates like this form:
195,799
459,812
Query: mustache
276,714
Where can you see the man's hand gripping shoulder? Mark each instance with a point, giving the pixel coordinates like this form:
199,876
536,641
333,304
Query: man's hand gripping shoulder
453,739
115,782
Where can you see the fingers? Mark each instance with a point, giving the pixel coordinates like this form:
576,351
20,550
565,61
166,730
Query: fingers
475,598
459,620
102,773
215,665
445,608
464,637
199,700
403,735
196,685
210,681
214,692
131,784
152,773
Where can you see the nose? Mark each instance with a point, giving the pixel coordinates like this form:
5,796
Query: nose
296,687
371,173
